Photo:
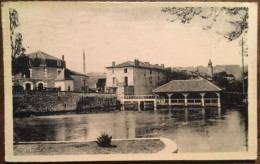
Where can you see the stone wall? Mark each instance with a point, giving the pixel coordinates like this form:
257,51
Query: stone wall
27,103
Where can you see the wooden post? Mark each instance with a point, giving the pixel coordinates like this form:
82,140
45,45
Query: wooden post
139,106
186,114
203,113
155,104
219,104
202,99
169,96
185,100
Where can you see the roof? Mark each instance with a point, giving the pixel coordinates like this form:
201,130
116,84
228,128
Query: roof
70,72
193,85
42,55
97,75
141,65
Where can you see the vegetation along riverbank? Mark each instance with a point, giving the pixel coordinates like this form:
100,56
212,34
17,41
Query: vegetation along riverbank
47,103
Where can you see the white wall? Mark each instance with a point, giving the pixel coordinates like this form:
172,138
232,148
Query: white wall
60,84
120,76
69,83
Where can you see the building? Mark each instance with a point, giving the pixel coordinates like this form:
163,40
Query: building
49,72
189,92
134,78
80,80
210,69
96,81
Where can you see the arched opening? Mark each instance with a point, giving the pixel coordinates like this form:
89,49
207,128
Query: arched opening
27,86
194,99
211,95
163,99
211,98
40,86
177,99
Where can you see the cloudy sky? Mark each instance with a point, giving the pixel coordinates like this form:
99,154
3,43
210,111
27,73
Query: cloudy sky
119,32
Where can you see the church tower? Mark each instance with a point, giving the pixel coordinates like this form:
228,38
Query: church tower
210,68
84,64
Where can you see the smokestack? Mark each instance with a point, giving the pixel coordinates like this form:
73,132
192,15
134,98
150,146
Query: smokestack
84,64
63,57
113,63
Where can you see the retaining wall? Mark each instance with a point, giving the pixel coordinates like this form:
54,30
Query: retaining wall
51,102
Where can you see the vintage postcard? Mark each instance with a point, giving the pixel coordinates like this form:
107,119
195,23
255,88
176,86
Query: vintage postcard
120,81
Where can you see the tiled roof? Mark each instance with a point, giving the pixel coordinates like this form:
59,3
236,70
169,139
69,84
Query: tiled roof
70,72
141,65
194,85
42,55
97,74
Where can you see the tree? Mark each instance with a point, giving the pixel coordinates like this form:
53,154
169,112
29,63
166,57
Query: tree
20,62
237,17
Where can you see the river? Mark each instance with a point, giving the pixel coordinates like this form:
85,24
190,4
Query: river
194,130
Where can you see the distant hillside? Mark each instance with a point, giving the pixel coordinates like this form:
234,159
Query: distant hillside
230,69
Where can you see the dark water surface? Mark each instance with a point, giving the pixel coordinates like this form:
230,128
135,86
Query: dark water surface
194,130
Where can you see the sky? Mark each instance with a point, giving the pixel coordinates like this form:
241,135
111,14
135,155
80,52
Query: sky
118,32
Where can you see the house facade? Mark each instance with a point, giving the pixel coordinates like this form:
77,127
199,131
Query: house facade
97,81
47,72
80,80
134,78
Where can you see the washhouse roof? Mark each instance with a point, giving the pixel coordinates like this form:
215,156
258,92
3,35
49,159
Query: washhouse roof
193,85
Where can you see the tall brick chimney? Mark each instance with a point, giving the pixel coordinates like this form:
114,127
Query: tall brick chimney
84,64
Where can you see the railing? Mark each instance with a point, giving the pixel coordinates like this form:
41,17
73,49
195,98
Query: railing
210,100
178,101
138,97
194,101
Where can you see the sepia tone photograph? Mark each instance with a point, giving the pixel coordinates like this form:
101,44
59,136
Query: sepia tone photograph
116,81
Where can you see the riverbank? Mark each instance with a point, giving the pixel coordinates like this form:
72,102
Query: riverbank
49,103
130,146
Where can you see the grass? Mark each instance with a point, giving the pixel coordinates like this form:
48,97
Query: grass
77,148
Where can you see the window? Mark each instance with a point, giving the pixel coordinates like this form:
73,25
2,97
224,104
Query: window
58,72
114,80
126,81
151,71
68,88
150,80
158,78
125,70
112,71
58,63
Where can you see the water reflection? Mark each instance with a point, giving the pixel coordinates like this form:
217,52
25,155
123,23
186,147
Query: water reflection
194,130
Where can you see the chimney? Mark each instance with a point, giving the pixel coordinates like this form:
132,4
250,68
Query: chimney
147,63
113,63
63,57
136,62
84,64
162,65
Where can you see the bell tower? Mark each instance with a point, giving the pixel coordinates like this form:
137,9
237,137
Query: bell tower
210,68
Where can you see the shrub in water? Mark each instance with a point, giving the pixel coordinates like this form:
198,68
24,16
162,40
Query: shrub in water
104,140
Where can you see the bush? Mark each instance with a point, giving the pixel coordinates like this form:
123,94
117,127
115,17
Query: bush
104,140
